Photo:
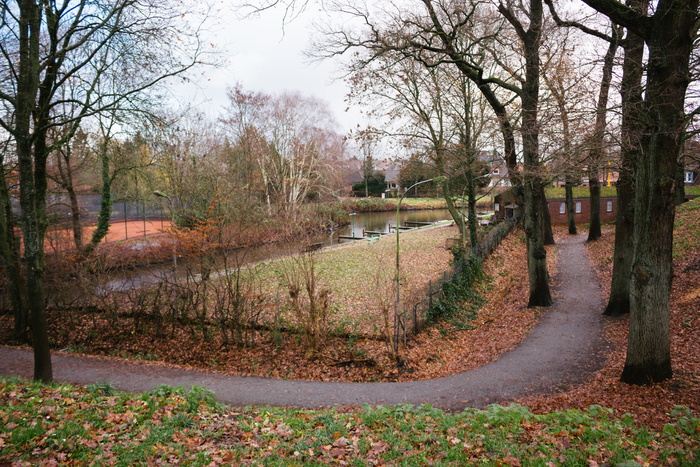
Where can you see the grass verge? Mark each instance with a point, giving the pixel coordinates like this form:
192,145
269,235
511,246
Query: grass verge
61,425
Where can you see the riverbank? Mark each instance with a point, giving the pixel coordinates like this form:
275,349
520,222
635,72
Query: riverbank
408,204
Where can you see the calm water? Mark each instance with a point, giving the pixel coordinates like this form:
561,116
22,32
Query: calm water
384,221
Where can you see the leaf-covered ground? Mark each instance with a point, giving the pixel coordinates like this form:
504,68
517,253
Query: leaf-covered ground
61,425
649,404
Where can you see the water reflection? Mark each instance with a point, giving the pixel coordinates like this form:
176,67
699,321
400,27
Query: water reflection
384,221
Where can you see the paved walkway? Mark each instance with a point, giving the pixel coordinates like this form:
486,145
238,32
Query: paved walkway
562,349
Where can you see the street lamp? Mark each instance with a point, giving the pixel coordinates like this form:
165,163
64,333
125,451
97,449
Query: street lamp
397,303
160,194
352,232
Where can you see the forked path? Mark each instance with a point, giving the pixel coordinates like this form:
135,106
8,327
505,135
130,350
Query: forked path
563,349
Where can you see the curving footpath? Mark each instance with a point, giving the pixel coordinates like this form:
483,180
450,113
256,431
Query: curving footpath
563,349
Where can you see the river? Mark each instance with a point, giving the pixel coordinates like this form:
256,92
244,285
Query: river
361,222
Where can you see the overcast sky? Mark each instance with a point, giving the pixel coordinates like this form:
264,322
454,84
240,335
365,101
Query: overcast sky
264,56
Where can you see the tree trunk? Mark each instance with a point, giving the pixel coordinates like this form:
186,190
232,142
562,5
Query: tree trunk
535,200
9,248
598,140
570,217
76,218
631,133
65,179
594,232
546,219
105,213
670,42
619,300
456,214
536,252
32,196
680,183
471,210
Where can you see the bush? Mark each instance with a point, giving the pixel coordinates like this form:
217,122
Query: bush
458,300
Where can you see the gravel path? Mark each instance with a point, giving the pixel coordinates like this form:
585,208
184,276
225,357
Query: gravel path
561,350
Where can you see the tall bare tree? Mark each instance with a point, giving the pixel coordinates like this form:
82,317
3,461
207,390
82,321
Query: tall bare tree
668,31
44,45
440,32
632,129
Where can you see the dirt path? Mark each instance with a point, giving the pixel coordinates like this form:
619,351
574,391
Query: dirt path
562,350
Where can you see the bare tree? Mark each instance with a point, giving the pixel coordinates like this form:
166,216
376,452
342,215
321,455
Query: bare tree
47,44
668,31
291,137
441,32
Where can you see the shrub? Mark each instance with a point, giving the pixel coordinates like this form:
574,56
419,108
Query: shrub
458,299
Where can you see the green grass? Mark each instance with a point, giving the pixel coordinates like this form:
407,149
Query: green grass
692,190
579,192
42,424
389,204
357,273
605,192
686,232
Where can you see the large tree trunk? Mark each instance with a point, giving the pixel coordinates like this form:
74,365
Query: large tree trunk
535,200
619,299
32,191
536,252
680,183
670,42
631,133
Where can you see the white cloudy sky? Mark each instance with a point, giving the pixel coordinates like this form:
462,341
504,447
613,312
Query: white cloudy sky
264,55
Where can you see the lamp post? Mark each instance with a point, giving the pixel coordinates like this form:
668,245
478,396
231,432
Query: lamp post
352,217
397,303
160,194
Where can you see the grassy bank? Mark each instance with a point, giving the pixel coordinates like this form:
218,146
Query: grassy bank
64,425
605,192
389,204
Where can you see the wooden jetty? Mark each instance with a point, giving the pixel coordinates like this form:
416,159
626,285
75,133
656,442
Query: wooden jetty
418,223
348,237
370,233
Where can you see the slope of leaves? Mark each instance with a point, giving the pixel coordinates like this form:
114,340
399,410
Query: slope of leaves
62,425
652,404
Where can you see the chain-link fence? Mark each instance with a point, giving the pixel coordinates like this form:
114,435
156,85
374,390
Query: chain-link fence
133,214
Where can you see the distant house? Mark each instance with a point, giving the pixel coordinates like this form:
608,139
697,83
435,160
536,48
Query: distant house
582,210
391,176
499,175
392,180
607,176
691,171
498,171
507,208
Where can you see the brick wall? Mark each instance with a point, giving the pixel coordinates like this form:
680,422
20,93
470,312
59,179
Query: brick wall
582,210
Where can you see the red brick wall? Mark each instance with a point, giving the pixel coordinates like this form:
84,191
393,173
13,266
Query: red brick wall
585,208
